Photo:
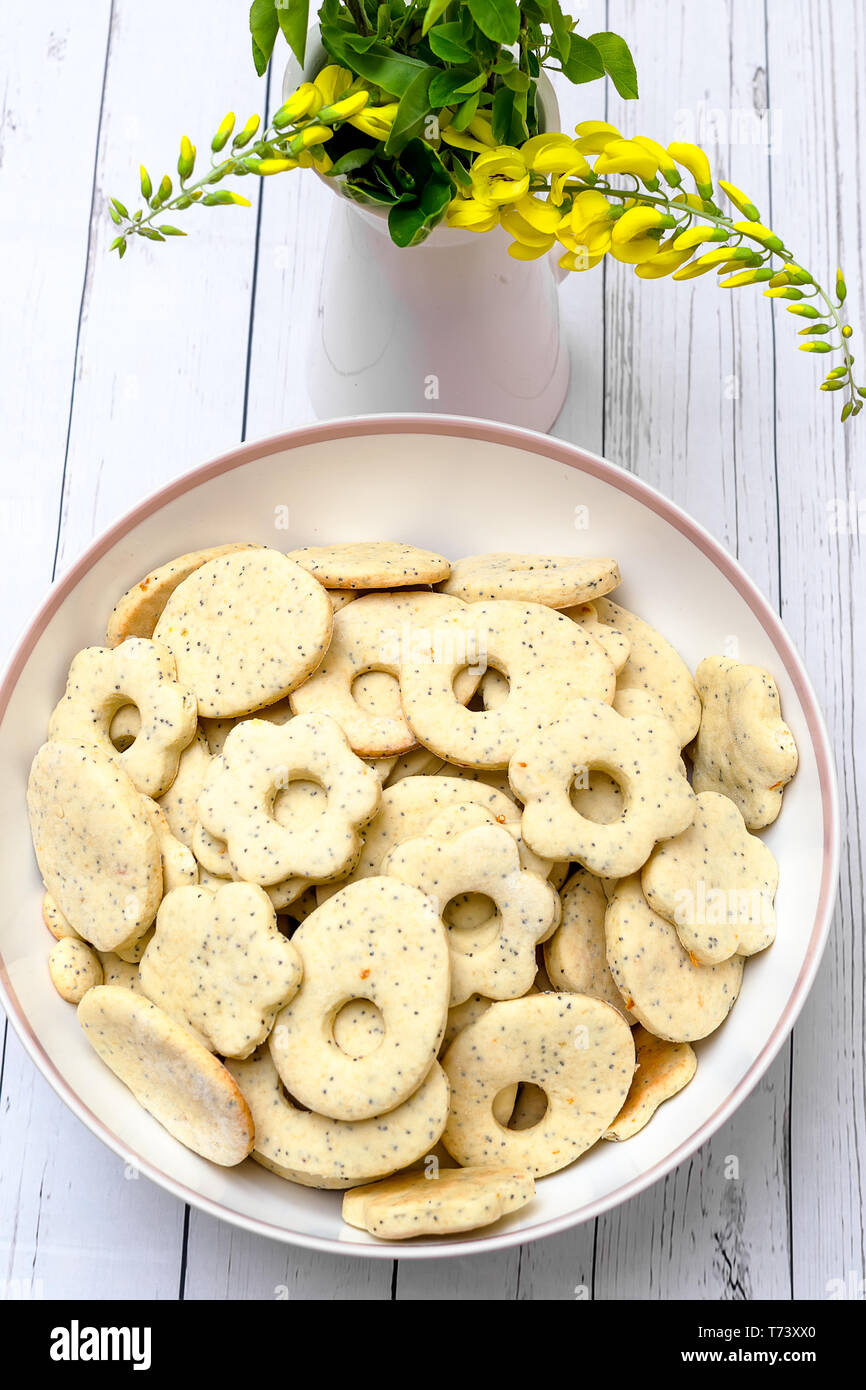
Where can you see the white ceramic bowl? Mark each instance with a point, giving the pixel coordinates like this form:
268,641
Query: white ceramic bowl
457,486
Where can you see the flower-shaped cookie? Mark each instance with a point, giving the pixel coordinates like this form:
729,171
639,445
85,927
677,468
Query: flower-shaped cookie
716,883
496,956
640,753
142,673
259,760
219,965
743,748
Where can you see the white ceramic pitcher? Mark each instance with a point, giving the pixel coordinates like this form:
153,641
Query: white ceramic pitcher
453,325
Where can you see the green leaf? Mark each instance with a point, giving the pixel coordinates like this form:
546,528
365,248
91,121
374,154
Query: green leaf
377,63
416,214
498,19
293,18
618,63
454,83
171,231
264,28
503,111
448,43
462,116
119,207
434,10
584,61
412,111
349,162
561,25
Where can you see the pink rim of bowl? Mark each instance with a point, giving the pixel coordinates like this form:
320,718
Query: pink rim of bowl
595,466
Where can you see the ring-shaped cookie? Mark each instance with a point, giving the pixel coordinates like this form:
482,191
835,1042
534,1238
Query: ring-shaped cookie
139,672
641,755
483,860
381,940
377,633
548,660
317,1151
577,1050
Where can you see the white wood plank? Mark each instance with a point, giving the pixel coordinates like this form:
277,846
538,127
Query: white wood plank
163,350
63,1197
54,67
155,392
689,380
816,72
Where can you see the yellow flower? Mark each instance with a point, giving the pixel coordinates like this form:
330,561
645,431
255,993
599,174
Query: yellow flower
540,214
553,154
499,176
471,216
276,166
375,121
345,108
332,82
595,136
480,126
585,231
306,101
668,170
692,157
694,236
461,141
627,157
741,201
519,251
629,240
526,236
665,262
579,260
308,136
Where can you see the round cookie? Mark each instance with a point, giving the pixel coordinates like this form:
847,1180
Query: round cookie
458,1199
673,996
178,804
380,940
548,660
55,921
74,969
663,1069
316,1151
371,565
272,616
137,611
577,1050
178,1081
575,956
96,850
558,581
654,666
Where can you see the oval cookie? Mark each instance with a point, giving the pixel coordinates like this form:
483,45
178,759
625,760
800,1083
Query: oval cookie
95,847
673,996
442,1204
178,1081
263,609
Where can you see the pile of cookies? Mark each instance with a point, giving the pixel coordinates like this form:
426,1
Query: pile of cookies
391,873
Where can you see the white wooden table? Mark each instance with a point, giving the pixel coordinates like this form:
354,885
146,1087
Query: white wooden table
115,379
